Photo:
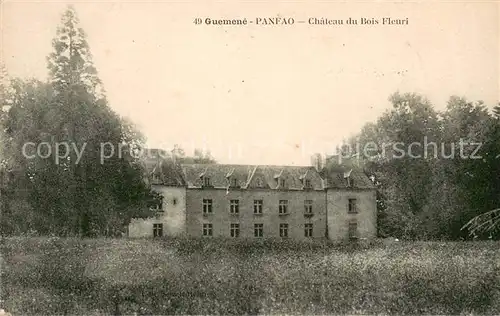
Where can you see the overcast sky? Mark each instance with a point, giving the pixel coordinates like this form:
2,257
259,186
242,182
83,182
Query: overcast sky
260,94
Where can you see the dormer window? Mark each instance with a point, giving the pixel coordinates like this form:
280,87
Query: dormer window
206,181
259,182
348,179
156,177
234,182
308,183
282,183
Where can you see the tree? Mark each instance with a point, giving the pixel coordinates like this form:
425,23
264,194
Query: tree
433,194
70,64
479,180
81,193
402,171
463,122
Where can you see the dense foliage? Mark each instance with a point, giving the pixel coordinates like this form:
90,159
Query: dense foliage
452,175
76,192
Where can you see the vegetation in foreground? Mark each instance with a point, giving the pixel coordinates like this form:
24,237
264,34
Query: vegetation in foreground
118,276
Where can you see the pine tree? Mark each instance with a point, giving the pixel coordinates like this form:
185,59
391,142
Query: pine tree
71,62
97,194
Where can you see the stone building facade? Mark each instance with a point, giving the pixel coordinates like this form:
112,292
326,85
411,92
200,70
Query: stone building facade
249,201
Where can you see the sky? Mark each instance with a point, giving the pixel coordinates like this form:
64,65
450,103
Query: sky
264,94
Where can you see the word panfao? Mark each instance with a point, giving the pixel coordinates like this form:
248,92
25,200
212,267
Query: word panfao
274,21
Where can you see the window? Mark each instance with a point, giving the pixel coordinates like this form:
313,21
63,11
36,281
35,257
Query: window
206,181
259,182
283,207
282,183
283,230
308,207
308,184
156,178
207,229
234,206
308,230
257,206
235,230
352,206
207,206
174,201
157,230
234,182
258,230
353,230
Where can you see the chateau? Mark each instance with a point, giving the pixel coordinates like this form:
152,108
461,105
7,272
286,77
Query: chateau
253,201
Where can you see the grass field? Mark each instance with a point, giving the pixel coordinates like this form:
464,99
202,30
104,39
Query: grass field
113,276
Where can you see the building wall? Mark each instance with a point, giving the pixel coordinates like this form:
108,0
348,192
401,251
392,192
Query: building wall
330,206
338,217
173,217
221,217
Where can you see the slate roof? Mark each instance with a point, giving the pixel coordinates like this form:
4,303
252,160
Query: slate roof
335,179
335,173
256,176
164,171
169,174
247,176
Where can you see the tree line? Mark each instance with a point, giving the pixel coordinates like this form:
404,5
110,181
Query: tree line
448,177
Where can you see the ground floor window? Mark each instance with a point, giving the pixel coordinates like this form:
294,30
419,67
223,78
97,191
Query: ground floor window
235,230
283,230
157,230
207,229
258,230
353,230
308,230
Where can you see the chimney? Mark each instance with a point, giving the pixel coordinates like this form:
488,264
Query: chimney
318,162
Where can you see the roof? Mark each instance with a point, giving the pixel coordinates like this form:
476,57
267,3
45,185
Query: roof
252,176
222,176
170,174
335,175
358,179
165,172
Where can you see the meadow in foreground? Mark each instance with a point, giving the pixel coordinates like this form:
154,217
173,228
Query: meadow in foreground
120,276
